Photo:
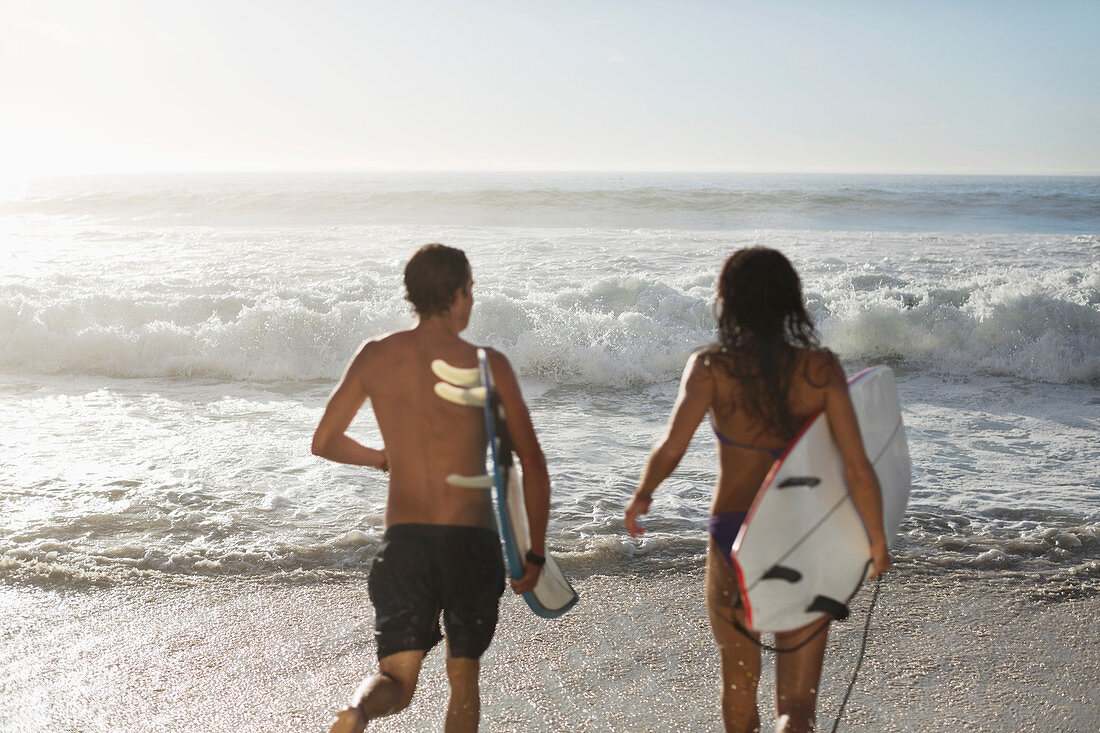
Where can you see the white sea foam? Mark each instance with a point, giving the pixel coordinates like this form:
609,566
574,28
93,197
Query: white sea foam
254,315
165,354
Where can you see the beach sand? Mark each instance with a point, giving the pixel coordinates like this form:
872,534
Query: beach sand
635,655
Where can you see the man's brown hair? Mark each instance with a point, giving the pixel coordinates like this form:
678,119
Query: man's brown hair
432,276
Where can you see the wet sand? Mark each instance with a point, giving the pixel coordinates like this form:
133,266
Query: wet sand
635,655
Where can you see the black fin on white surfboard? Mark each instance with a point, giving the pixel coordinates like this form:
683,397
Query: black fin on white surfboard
824,604
795,481
782,572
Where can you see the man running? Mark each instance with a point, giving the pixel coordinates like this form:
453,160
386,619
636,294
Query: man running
440,553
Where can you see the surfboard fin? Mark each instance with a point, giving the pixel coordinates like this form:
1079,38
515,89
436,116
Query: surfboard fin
465,396
782,572
462,387
794,481
824,604
456,375
485,481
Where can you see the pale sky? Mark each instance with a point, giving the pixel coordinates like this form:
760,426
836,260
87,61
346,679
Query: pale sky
879,86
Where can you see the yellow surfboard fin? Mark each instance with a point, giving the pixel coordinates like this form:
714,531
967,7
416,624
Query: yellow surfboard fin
456,375
472,397
471,482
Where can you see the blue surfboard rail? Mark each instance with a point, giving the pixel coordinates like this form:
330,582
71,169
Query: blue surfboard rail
500,447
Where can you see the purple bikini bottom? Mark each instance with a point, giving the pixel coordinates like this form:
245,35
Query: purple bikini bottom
723,529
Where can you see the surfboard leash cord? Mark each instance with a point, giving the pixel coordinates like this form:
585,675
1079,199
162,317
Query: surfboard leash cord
768,647
832,611
859,659
862,650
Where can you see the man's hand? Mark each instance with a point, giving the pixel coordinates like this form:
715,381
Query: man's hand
527,582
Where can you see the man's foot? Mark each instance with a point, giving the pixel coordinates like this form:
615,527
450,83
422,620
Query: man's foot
349,720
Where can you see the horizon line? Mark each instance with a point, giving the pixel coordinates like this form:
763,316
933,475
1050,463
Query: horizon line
30,178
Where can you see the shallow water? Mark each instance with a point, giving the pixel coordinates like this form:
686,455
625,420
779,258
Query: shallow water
951,652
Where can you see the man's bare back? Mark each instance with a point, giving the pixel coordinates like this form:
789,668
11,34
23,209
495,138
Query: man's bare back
426,438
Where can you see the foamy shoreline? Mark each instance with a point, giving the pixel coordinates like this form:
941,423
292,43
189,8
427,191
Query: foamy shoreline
945,653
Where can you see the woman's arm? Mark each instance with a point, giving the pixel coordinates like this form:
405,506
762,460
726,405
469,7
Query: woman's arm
860,474
692,403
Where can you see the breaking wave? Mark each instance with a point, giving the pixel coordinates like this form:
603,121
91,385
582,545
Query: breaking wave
612,331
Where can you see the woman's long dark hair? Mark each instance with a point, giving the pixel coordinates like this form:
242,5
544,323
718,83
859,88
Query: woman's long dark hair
762,321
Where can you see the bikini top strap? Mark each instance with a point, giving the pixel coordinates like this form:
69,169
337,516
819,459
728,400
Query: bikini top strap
775,453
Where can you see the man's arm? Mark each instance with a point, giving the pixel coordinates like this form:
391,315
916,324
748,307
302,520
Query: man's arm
536,479
330,439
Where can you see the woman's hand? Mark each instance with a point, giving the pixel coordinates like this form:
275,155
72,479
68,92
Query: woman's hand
638,506
880,560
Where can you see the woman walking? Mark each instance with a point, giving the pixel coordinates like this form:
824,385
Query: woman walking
763,379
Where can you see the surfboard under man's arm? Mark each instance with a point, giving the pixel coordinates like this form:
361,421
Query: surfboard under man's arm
536,479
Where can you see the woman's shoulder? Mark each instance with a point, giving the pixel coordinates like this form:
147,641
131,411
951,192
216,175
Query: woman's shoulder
705,354
705,358
820,366
699,363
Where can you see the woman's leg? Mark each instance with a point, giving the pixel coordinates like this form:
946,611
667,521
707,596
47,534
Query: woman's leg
740,657
797,677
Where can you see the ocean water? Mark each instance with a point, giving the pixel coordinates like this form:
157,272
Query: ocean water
167,345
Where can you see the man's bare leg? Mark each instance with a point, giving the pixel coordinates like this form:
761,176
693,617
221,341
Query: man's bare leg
464,706
385,693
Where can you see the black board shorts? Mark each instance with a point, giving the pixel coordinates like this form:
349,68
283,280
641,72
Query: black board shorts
423,570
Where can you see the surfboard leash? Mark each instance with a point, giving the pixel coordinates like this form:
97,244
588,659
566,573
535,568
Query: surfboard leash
835,610
862,647
862,650
748,635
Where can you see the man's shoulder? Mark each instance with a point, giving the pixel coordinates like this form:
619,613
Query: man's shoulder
378,347
402,345
497,359
387,340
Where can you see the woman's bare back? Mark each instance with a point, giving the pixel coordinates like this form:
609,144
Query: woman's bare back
747,446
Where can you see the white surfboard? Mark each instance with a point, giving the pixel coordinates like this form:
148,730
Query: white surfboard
553,595
803,551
